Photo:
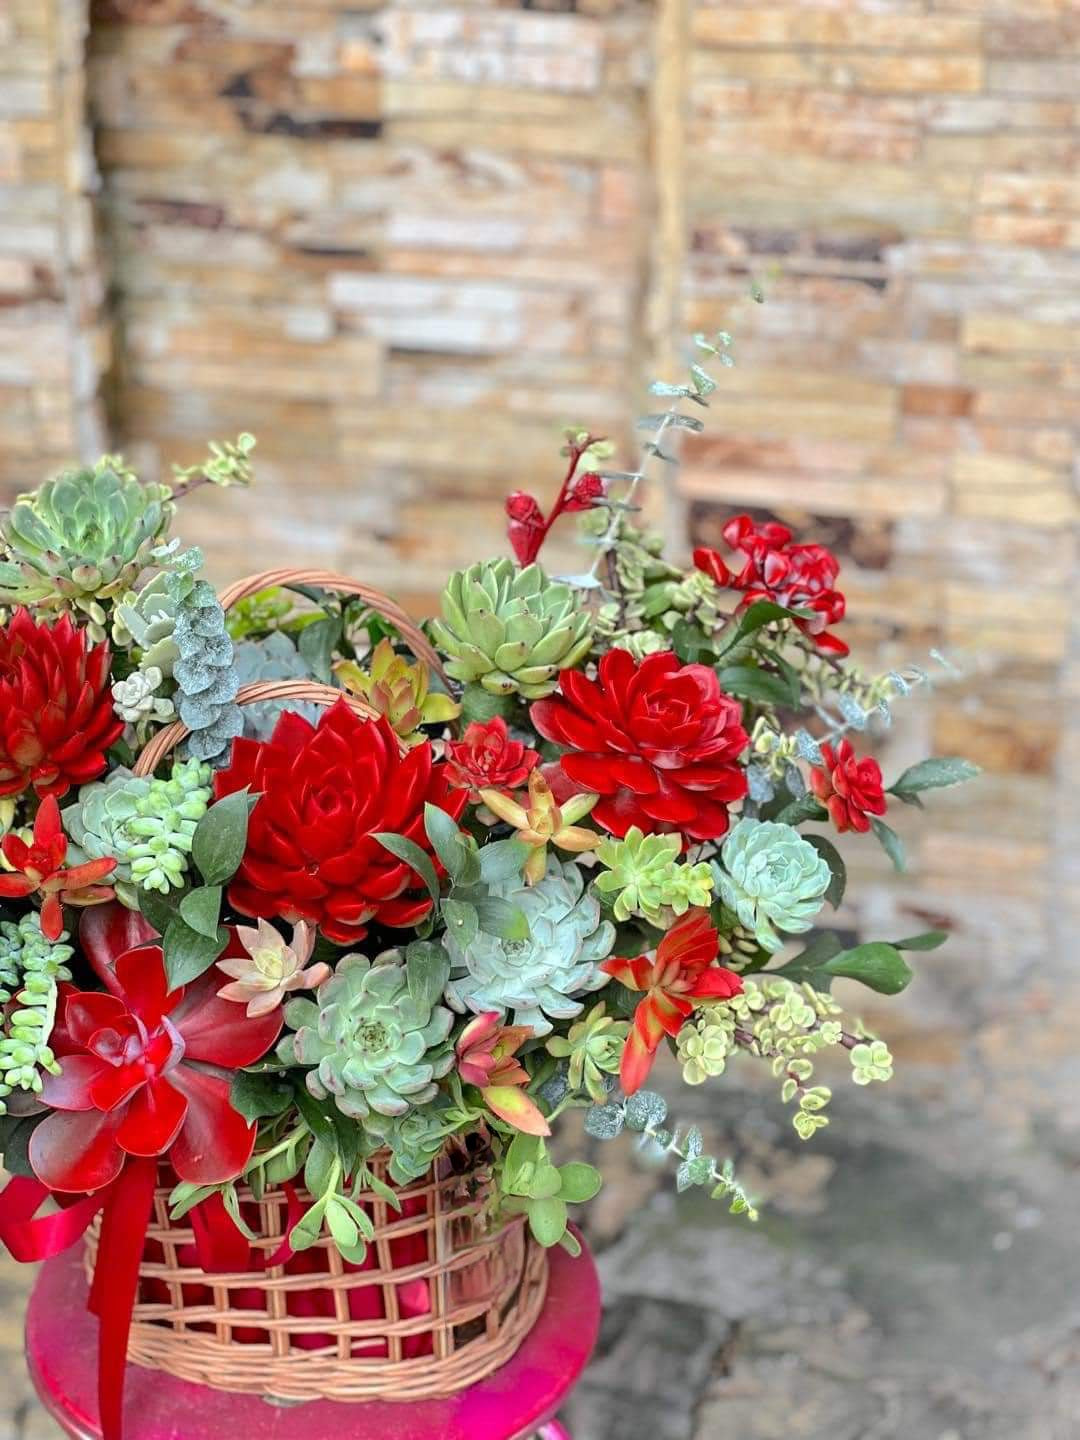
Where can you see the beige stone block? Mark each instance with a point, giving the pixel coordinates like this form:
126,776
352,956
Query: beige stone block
615,135
987,331
769,25
1031,193
823,495
1051,232
1039,78
342,384
912,74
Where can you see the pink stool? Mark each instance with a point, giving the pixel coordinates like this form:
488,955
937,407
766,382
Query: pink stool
518,1401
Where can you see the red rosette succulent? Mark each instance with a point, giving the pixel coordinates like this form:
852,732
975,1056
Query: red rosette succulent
324,792
850,789
799,577
56,709
145,1072
39,869
486,758
659,742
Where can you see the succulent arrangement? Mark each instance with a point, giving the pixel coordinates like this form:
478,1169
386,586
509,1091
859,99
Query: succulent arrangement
493,893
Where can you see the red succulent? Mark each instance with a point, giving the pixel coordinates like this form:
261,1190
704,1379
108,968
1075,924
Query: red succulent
657,740
486,1051
324,792
681,975
38,869
849,788
799,577
56,710
143,1073
486,758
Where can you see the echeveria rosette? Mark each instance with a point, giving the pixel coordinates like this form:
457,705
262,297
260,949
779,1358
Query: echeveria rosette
271,967
56,710
773,879
510,631
593,1049
324,792
82,537
543,976
145,1072
850,789
657,740
400,690
488,758
274,657
414,1139
644,876
374,1044
40,868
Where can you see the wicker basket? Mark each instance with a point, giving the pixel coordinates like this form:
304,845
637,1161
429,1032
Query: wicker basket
438,1304
440,1301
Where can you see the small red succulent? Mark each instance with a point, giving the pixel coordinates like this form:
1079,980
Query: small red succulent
657,740
486,1051
56,709
486,758
38,869
145,1072
850,789
681,975
324,792
799,577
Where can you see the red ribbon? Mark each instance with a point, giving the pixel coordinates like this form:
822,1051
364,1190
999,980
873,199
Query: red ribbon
125,1206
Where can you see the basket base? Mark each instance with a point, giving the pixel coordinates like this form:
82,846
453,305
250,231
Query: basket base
512,1403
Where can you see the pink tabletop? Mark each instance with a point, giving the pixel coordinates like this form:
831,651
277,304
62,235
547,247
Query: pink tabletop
61,1349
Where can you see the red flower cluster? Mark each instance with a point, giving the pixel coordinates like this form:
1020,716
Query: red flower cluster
324,793
657,740
38,869
681,975
56,710
800,577
486,758
141,1074
849,788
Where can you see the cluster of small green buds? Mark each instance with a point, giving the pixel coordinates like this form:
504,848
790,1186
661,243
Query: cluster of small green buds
30,968
704,1044
646,879
163,827
737,944
870,1061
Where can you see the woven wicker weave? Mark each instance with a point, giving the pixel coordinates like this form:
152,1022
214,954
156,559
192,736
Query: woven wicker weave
439,1304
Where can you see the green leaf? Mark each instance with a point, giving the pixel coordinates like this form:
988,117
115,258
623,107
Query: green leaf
322,1170
750,682
690,642
461,920
15,1143
935,774
580,1182
876,965
308,1228
220,836
427,968
317,643
547,1221
503,860
808,964
315,1117
201,909
189,954
498,917
342,1226
890,843
544,1182
447,841
762,612
159,909
805,808
928,940
832,857
411,853
256,1096
571,1244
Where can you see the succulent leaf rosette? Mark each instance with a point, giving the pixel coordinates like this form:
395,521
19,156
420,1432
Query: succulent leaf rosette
482,887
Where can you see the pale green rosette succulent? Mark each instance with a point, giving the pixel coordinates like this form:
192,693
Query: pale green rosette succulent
772,879
413,1139
542,975
510,631
644,876
147,621
375,1045
272,658
80,538
146,825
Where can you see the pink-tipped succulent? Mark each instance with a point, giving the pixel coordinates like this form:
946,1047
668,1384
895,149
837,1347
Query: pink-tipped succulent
485,1058
541,820
272,967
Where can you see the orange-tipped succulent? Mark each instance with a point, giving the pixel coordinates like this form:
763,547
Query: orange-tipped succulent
399,691
485,1058
542,821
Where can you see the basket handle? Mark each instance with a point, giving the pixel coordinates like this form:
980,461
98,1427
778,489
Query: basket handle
166,741
382,604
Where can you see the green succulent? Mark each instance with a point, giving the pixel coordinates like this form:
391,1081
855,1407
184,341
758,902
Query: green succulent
542,974
773,879
594,1049
413,1139
205,668
81,537
377,1044
510,631
871,1061
646,879
704,1044
145,824
30,969
273,658
147,621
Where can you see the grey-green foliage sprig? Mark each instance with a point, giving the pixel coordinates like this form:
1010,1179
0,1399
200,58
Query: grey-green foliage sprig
205,672
657,426
645,1113
228,464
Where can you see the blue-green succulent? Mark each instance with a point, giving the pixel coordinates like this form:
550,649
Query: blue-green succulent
543,976
773,879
